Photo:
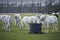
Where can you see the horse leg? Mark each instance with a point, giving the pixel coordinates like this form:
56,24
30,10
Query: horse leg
7,27
47,27
53,28
3,26
20,25
43,26
27,27
56,28
15,23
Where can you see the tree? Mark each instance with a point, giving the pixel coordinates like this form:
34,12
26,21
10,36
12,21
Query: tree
21,6
32,6
49,5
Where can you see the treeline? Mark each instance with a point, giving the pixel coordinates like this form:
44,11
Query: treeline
28,8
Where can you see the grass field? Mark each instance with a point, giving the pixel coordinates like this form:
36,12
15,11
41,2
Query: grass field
17,34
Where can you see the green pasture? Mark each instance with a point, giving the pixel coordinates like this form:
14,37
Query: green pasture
17,34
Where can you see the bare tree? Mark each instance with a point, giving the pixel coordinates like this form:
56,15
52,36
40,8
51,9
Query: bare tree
27,6
21,6
32,6
40,6
59,2
49,3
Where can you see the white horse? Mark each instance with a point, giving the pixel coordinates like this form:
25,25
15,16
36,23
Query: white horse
49,20
6,20
25,21
8,23
1,18
17,18
30,19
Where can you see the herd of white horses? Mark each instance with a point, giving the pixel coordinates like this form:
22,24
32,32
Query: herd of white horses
38,18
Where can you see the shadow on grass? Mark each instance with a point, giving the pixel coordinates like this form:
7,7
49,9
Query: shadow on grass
44,33
37,33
